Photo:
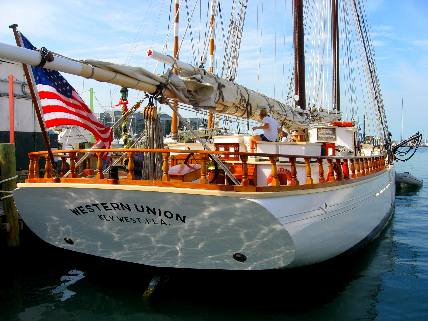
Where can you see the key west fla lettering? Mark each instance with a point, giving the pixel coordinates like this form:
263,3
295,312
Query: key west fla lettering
112,207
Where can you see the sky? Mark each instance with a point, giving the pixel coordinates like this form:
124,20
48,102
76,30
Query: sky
122,31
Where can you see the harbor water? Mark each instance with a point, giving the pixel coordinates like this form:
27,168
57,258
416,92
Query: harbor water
388,280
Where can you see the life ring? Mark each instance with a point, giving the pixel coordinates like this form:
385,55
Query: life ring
284,176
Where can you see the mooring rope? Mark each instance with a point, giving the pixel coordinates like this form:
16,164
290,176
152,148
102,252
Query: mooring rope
8,179
9,192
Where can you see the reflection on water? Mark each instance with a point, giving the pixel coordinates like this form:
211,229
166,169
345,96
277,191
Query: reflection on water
62,290
112,291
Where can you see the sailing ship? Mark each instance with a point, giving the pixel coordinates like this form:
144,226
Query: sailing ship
287,205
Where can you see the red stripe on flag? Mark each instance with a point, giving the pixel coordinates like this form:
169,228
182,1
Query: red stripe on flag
69,102
60,109
80,114
66,121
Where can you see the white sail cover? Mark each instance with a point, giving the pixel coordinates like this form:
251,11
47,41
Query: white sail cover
200,89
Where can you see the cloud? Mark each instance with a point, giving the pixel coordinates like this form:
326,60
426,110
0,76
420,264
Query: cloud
420,42
36,17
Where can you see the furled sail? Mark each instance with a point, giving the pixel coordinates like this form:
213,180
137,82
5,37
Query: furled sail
196,87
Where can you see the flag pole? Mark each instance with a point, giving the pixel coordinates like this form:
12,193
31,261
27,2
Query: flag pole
35,99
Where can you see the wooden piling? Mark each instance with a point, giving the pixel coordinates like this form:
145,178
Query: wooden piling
8,170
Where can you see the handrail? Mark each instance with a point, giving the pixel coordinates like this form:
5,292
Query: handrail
331,169
189,151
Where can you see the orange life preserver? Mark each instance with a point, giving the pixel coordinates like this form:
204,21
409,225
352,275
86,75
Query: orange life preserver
284,176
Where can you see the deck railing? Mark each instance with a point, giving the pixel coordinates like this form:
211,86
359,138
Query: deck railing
339,169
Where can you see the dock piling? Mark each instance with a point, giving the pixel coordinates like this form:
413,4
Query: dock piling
8,183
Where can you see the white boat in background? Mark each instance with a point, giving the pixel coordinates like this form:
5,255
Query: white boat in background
73,137
215,204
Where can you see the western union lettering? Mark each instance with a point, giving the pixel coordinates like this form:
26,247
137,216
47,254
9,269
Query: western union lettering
121,208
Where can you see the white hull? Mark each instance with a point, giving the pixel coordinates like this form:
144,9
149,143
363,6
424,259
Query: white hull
184,228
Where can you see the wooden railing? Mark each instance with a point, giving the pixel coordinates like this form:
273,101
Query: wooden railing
331,169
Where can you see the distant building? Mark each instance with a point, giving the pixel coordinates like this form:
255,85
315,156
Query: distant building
116,115
165,121
105,118
136,122
195,123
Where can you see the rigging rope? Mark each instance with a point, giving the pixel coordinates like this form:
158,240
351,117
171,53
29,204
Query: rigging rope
138,33
371,72
192,43
236,27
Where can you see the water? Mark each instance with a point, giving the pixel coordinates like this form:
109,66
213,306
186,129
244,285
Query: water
388,280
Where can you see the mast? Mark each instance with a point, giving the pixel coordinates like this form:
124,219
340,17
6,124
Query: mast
299,54
364,127
211,60
174,120
335,55
402,119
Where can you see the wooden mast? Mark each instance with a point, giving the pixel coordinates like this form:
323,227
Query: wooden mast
335,54
299,54
211,60
174,120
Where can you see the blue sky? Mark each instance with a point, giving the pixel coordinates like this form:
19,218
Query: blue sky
122,31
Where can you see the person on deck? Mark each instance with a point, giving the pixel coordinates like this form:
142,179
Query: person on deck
270,130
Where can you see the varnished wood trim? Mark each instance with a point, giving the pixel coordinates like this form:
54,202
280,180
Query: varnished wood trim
221,190
177,184
181,151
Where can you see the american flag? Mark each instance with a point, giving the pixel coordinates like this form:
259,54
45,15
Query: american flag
61,105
